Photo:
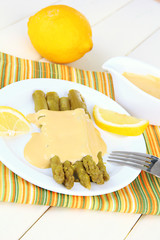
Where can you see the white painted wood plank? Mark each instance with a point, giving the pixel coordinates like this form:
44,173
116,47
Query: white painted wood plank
120,33
13,11
147,228
95,10
14,40
149,50
63,223
15,219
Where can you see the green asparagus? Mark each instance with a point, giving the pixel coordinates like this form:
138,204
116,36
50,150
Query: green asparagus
84,178
39,100
77,101
92,170
52,101
64,104
102,167
57,169
68,174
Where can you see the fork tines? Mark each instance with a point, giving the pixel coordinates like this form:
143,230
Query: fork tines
139,160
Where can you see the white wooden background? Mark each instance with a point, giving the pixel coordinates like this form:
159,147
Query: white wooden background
120,27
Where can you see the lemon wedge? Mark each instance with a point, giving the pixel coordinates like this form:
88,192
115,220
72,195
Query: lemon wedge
12,122
118,123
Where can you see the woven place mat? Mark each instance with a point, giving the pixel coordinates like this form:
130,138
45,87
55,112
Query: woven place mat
141,196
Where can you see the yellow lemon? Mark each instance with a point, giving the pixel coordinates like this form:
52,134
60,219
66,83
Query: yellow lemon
12,122
118,123
60,33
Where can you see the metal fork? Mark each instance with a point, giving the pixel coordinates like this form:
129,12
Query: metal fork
145,162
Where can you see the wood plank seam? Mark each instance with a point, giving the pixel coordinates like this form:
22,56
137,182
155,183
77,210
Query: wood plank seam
21,19
134,225
35,222
139,44
112,13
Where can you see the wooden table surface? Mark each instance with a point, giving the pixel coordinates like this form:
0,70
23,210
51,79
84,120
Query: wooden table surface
120,27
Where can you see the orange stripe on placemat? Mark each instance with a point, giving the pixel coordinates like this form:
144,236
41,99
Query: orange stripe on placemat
123,200
80,202
103,203
101,81
151,142
28,187
23,192
11,71
110,202
63,73
67,73
89,79
47,70
13,186
54,198
16,69
6,187
6,71
76,200
73,202
28,68
156,139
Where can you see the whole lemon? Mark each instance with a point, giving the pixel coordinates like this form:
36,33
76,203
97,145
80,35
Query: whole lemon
60,33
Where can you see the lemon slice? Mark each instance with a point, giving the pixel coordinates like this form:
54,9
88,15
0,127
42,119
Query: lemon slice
118,123
12,122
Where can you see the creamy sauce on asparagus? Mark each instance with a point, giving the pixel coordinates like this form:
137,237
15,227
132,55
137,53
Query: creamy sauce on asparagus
148,83
70,135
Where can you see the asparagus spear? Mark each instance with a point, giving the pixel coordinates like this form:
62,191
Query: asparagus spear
102,167
64,104
82,175
92,169
52,101
68,173
77,101
39,100
57,169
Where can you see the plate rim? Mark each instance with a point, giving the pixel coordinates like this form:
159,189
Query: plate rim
66,191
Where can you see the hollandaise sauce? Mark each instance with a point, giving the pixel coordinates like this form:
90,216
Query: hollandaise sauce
70,135
148,83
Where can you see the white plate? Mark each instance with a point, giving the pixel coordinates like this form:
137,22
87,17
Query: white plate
19,95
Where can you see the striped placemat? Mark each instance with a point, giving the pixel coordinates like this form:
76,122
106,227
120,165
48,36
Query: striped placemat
141,196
